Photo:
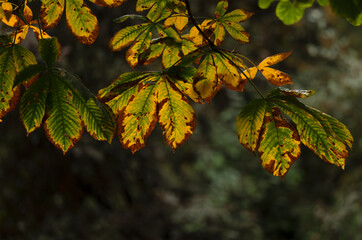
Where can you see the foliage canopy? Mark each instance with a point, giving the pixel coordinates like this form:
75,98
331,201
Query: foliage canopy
194,68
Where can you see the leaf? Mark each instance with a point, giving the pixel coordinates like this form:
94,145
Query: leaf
179,21
237,32
63,126
82,23
312,132
33,102
206,82
143,5
137,120
126,36
249,123
108,3
264,4
129,16
236,16
349,9
221,8
49,50
323,3
99,122
296,93
50,13
175,115
291,13
141,44
274,76
279,144
28,73
12,60
39,33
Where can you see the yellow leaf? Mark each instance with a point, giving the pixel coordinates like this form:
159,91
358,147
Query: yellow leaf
28,14
37,33
13,21
276,77
137,120
7,9
20,34
50,13
81,21
175,115
179,21
108,3
274,59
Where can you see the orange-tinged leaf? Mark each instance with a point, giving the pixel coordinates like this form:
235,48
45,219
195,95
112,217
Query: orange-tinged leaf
140,45
206,82
50,13
175,115
37,33
228,73
218,34
28,14
170,56
81,21
108,3
20,34
276,77
179,21
279,144
207,26
137,120
249,74
274,59
13,21
7,9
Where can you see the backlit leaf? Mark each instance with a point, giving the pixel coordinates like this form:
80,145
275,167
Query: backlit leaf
28,73
175,115
33,103
291,13
108,3
279,144
50,13
264,4
221,8
274,76
137,120
49,50
312,134
12,60
63,126
81,21
126,36
249,123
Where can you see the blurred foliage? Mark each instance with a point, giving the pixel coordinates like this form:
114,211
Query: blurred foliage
210,188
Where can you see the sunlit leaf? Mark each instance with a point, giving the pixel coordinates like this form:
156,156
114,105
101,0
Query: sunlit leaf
50,13
279,144
12,60
108,3
126,36
264,4
291,13
175,115
63,126
312,133
221,8
137,120
274,76
249,123
81,21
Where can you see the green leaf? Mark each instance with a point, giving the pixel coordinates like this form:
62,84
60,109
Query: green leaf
33,102
323,3
49,50
349,9
249,123
221,8
12,60
264,4
129,16
63,126
126,36
50,13
291,13
28,73
312,132
279,144
97,119
81,21
237,32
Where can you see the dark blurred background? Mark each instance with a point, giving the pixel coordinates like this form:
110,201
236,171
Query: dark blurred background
211,187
